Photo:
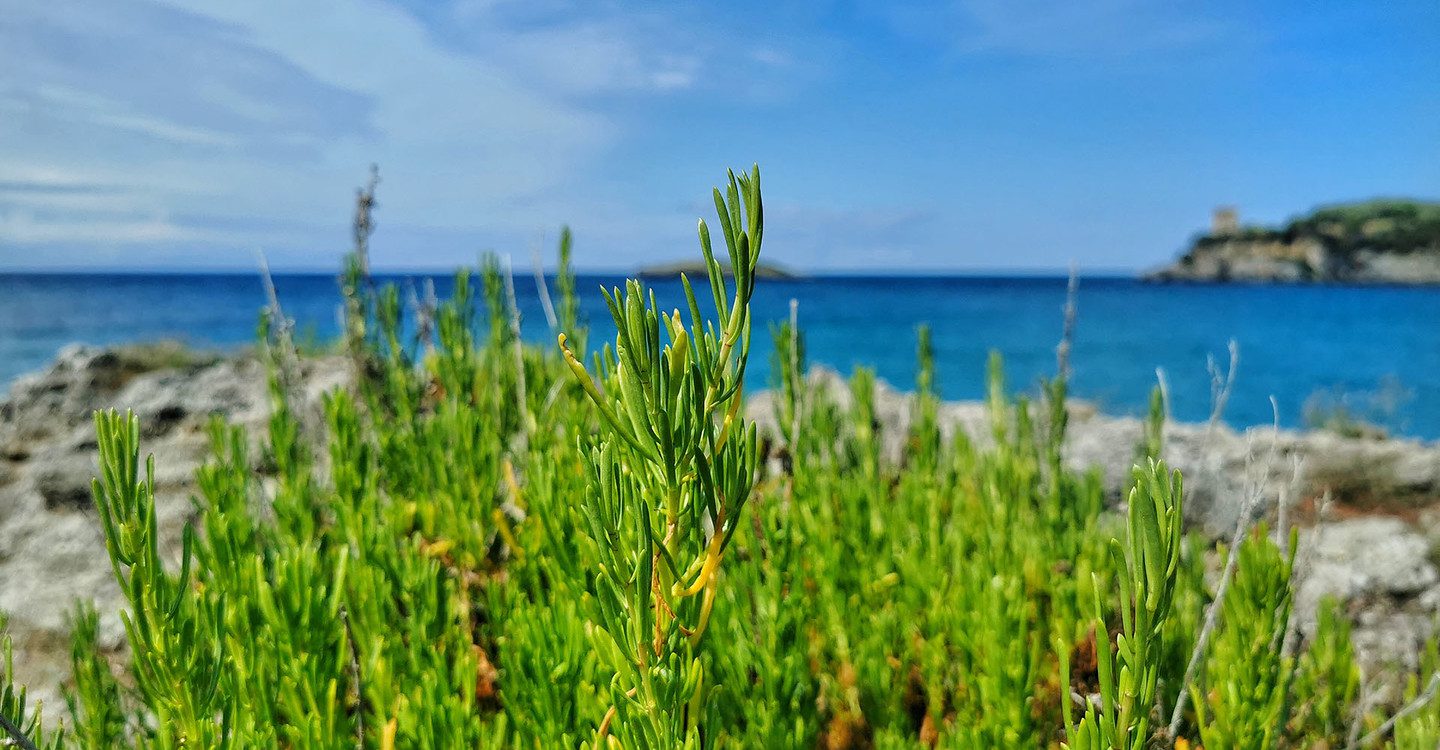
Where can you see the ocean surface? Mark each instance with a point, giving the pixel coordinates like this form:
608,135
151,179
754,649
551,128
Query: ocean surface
1373,351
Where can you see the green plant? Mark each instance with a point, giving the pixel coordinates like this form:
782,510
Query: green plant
95,700
18,726
1418,724
669,481
1128,677
1327,681
175,633
1245,691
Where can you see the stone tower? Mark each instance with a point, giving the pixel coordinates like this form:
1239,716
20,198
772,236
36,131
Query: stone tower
1224,222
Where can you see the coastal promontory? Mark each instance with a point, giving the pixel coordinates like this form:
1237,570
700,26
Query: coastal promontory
1372,242
697,270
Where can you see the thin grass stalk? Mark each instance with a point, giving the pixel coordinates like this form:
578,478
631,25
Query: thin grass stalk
1380,732
522,400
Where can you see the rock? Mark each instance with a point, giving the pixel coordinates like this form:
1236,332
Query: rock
1380,570
1368,557
51,547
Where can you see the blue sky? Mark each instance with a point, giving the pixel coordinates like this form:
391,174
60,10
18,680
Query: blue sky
955,135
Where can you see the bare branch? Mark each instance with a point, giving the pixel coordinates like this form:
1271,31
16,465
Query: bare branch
1164,385
1067,334
520,395
799,376
1288,493
543,289
355,682
1221,386
1253,494
287,359
1409,708
1212,616
364,224
16,734
282,326
424,308
1362,707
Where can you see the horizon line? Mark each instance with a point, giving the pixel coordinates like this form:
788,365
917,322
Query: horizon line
798,275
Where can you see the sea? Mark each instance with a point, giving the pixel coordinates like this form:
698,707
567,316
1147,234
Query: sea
1368,353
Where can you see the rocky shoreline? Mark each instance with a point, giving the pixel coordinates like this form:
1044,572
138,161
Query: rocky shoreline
1373,550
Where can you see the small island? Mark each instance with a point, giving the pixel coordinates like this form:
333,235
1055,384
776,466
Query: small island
1371,242
697,270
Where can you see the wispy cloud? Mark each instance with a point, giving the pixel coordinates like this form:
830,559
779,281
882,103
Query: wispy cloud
89,109
579,48
487,116
28,228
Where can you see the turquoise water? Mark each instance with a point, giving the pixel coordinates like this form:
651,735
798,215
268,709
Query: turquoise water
1375,349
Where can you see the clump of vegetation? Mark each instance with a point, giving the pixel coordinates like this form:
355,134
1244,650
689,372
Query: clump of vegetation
1363,414
1380,225
488,543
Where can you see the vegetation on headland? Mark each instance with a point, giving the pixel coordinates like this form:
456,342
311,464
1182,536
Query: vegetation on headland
489,543
1387,240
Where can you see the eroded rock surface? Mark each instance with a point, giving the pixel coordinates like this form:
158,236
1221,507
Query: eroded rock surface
52,552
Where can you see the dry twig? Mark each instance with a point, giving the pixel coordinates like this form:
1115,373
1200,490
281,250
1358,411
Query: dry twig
520,394
16,735
542,288
1409,708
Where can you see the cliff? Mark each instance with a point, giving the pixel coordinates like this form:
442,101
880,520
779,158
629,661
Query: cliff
1376,242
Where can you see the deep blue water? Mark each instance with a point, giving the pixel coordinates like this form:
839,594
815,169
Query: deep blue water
1376,349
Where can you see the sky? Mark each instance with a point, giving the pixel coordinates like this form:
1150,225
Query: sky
966,136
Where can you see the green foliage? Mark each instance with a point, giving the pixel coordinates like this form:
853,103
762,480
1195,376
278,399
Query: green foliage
1327,681
568,315
1128,677
787,367
176,631
95,700
1421,728
18,726
1247,676
485,543
1154,440
1361,414
669,480
1383,225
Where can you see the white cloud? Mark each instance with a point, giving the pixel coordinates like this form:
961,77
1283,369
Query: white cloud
22,227
107,201
263,112
584,48
466,123
490,119
85,107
